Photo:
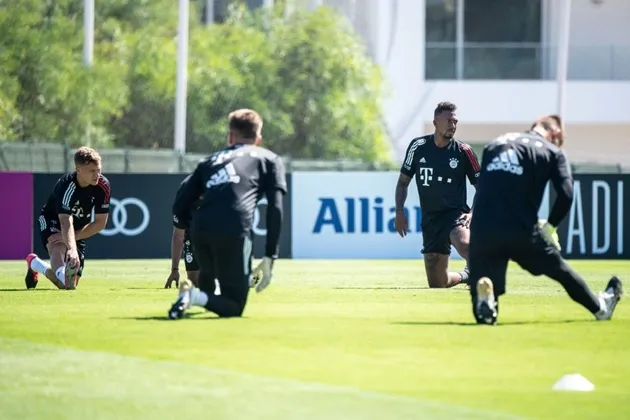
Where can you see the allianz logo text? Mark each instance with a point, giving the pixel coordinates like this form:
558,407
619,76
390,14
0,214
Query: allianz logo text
362,215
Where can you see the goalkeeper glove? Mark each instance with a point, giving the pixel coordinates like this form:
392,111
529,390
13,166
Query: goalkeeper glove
549,234
262,274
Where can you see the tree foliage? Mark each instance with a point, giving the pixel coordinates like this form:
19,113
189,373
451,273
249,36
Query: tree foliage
307,74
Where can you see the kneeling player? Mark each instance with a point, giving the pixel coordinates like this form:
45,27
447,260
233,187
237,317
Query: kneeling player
516,168
230,182
65,221
440,163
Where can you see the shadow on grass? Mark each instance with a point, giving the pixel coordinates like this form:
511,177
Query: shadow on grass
508,323
197,316
380,288
29,290
451,290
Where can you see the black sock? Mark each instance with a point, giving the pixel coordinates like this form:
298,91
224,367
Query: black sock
577,288
465,274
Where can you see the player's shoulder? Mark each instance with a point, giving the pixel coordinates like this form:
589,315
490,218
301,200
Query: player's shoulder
510,137
66,182
103,184
206,160
420,141
415,146
266,154
103,181
461,146
67,178
553,149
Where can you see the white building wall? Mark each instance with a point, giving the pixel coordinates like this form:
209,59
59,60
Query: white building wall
599,38
394,31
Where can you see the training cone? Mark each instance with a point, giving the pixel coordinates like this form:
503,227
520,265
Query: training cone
575,382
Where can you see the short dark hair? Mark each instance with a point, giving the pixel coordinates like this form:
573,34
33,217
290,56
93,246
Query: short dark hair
444,106
246,122
86,155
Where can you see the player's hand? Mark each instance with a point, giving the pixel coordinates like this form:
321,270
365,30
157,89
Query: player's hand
401,223
72,257
549,234
174,277
262,274
465,220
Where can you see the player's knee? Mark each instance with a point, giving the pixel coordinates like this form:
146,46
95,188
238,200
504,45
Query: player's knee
235,311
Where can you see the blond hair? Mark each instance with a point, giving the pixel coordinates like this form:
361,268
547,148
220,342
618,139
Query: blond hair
552,124
246,122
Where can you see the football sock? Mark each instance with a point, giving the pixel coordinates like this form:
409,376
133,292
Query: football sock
198,298
576,287
39,266
61,275
465,273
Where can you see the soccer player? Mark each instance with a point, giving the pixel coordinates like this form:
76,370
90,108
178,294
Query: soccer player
441,165
181,240
65,221
516,168
230,182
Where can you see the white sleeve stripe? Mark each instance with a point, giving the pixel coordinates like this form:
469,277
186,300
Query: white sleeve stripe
67,196
247,255
411,152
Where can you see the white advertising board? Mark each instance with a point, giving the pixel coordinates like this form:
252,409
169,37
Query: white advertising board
351,215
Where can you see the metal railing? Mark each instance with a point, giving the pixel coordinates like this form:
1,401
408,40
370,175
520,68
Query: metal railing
47,157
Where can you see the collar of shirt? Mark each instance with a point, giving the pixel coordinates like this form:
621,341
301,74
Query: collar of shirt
535,133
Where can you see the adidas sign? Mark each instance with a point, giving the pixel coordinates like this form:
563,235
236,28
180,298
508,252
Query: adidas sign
507,161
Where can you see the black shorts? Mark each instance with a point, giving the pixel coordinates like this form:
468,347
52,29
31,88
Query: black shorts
49,226
436,231
227,259
189,256
489,254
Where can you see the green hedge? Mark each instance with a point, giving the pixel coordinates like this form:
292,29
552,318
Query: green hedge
308,75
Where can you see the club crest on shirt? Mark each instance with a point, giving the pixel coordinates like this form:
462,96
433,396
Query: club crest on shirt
453,163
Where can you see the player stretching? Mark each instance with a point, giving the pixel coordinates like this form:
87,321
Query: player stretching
440,164
230,182
516,167
65,221
179,241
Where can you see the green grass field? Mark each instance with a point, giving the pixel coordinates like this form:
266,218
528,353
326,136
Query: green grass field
328,340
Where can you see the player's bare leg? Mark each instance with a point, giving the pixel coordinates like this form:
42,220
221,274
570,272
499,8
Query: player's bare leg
57,251
65,276
460,238
37,266
194,277
438,276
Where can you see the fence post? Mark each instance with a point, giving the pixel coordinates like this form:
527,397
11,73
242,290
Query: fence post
66,158
126,160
